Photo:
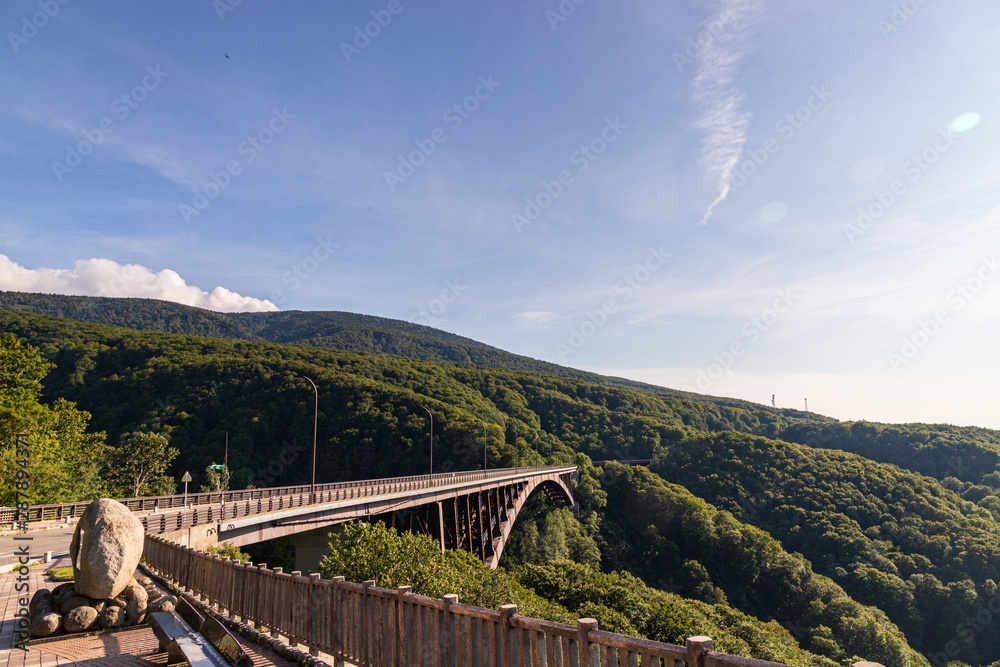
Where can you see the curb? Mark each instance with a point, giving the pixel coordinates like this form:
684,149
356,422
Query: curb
34,560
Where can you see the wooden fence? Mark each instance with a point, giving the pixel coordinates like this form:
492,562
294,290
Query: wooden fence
267,500
365,625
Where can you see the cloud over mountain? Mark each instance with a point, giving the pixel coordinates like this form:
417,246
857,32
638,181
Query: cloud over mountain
105,277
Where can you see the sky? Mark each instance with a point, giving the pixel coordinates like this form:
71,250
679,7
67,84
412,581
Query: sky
746,198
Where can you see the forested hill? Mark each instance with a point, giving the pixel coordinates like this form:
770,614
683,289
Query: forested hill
853,557
963,457
351,332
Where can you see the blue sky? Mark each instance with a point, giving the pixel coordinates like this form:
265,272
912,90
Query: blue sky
743,198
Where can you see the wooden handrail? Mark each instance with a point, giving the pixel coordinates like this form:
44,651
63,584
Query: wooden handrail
370,626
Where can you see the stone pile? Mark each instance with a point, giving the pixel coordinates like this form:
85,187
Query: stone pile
63,608
106,549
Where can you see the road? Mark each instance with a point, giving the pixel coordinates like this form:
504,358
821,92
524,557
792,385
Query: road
55,540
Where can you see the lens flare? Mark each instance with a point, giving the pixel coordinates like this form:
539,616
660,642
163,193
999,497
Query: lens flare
773,212
965,122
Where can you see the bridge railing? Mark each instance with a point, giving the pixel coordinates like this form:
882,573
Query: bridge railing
211,507
370,626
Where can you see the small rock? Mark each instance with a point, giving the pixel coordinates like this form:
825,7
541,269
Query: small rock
119,602
80,619
62,588
42,601
164,603
98,605
111,617
133,614
45,624
68,604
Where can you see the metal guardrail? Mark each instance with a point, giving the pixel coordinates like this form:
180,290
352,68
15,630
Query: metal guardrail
370,626
280,497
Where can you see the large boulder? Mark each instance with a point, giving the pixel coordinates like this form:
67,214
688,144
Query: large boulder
80,619
106,548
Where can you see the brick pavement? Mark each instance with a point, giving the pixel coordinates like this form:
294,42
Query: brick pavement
129,647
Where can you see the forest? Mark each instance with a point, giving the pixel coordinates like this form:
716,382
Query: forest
784,535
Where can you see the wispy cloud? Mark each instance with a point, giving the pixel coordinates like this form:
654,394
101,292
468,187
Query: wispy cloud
104,277
536,319
723,117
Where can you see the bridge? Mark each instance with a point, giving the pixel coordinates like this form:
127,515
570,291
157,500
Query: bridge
473,511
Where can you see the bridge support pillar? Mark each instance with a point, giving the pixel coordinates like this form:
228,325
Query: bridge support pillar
440,524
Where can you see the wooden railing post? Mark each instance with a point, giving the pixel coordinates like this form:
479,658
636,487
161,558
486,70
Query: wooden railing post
449,637
506,611
590,654
337,618
315,618
698,649
403,639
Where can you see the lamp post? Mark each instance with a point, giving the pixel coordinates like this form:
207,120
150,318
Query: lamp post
312,486
484,445
431,471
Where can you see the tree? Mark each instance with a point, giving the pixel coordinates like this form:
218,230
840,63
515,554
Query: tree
217,478
46,455
139,462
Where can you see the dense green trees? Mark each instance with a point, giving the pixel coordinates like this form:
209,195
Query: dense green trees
64,462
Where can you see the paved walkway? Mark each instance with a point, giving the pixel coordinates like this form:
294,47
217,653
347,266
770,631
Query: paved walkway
130,647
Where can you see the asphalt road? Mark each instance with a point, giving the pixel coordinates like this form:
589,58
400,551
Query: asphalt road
55,540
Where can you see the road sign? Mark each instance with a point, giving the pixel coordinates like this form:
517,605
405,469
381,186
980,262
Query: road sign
186,478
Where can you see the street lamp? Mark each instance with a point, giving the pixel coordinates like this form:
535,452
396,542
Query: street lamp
430,474
312,487
484,445
536,445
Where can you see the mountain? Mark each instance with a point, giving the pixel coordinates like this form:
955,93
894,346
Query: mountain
855,537
346,331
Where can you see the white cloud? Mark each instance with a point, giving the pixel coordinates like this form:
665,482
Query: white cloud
536,319
723,117
104,277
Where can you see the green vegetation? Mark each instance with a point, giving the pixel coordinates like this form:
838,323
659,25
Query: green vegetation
748,517
230,551
65,461
559,591
138,464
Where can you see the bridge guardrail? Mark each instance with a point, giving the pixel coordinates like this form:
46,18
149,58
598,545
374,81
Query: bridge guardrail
366,625
230,502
